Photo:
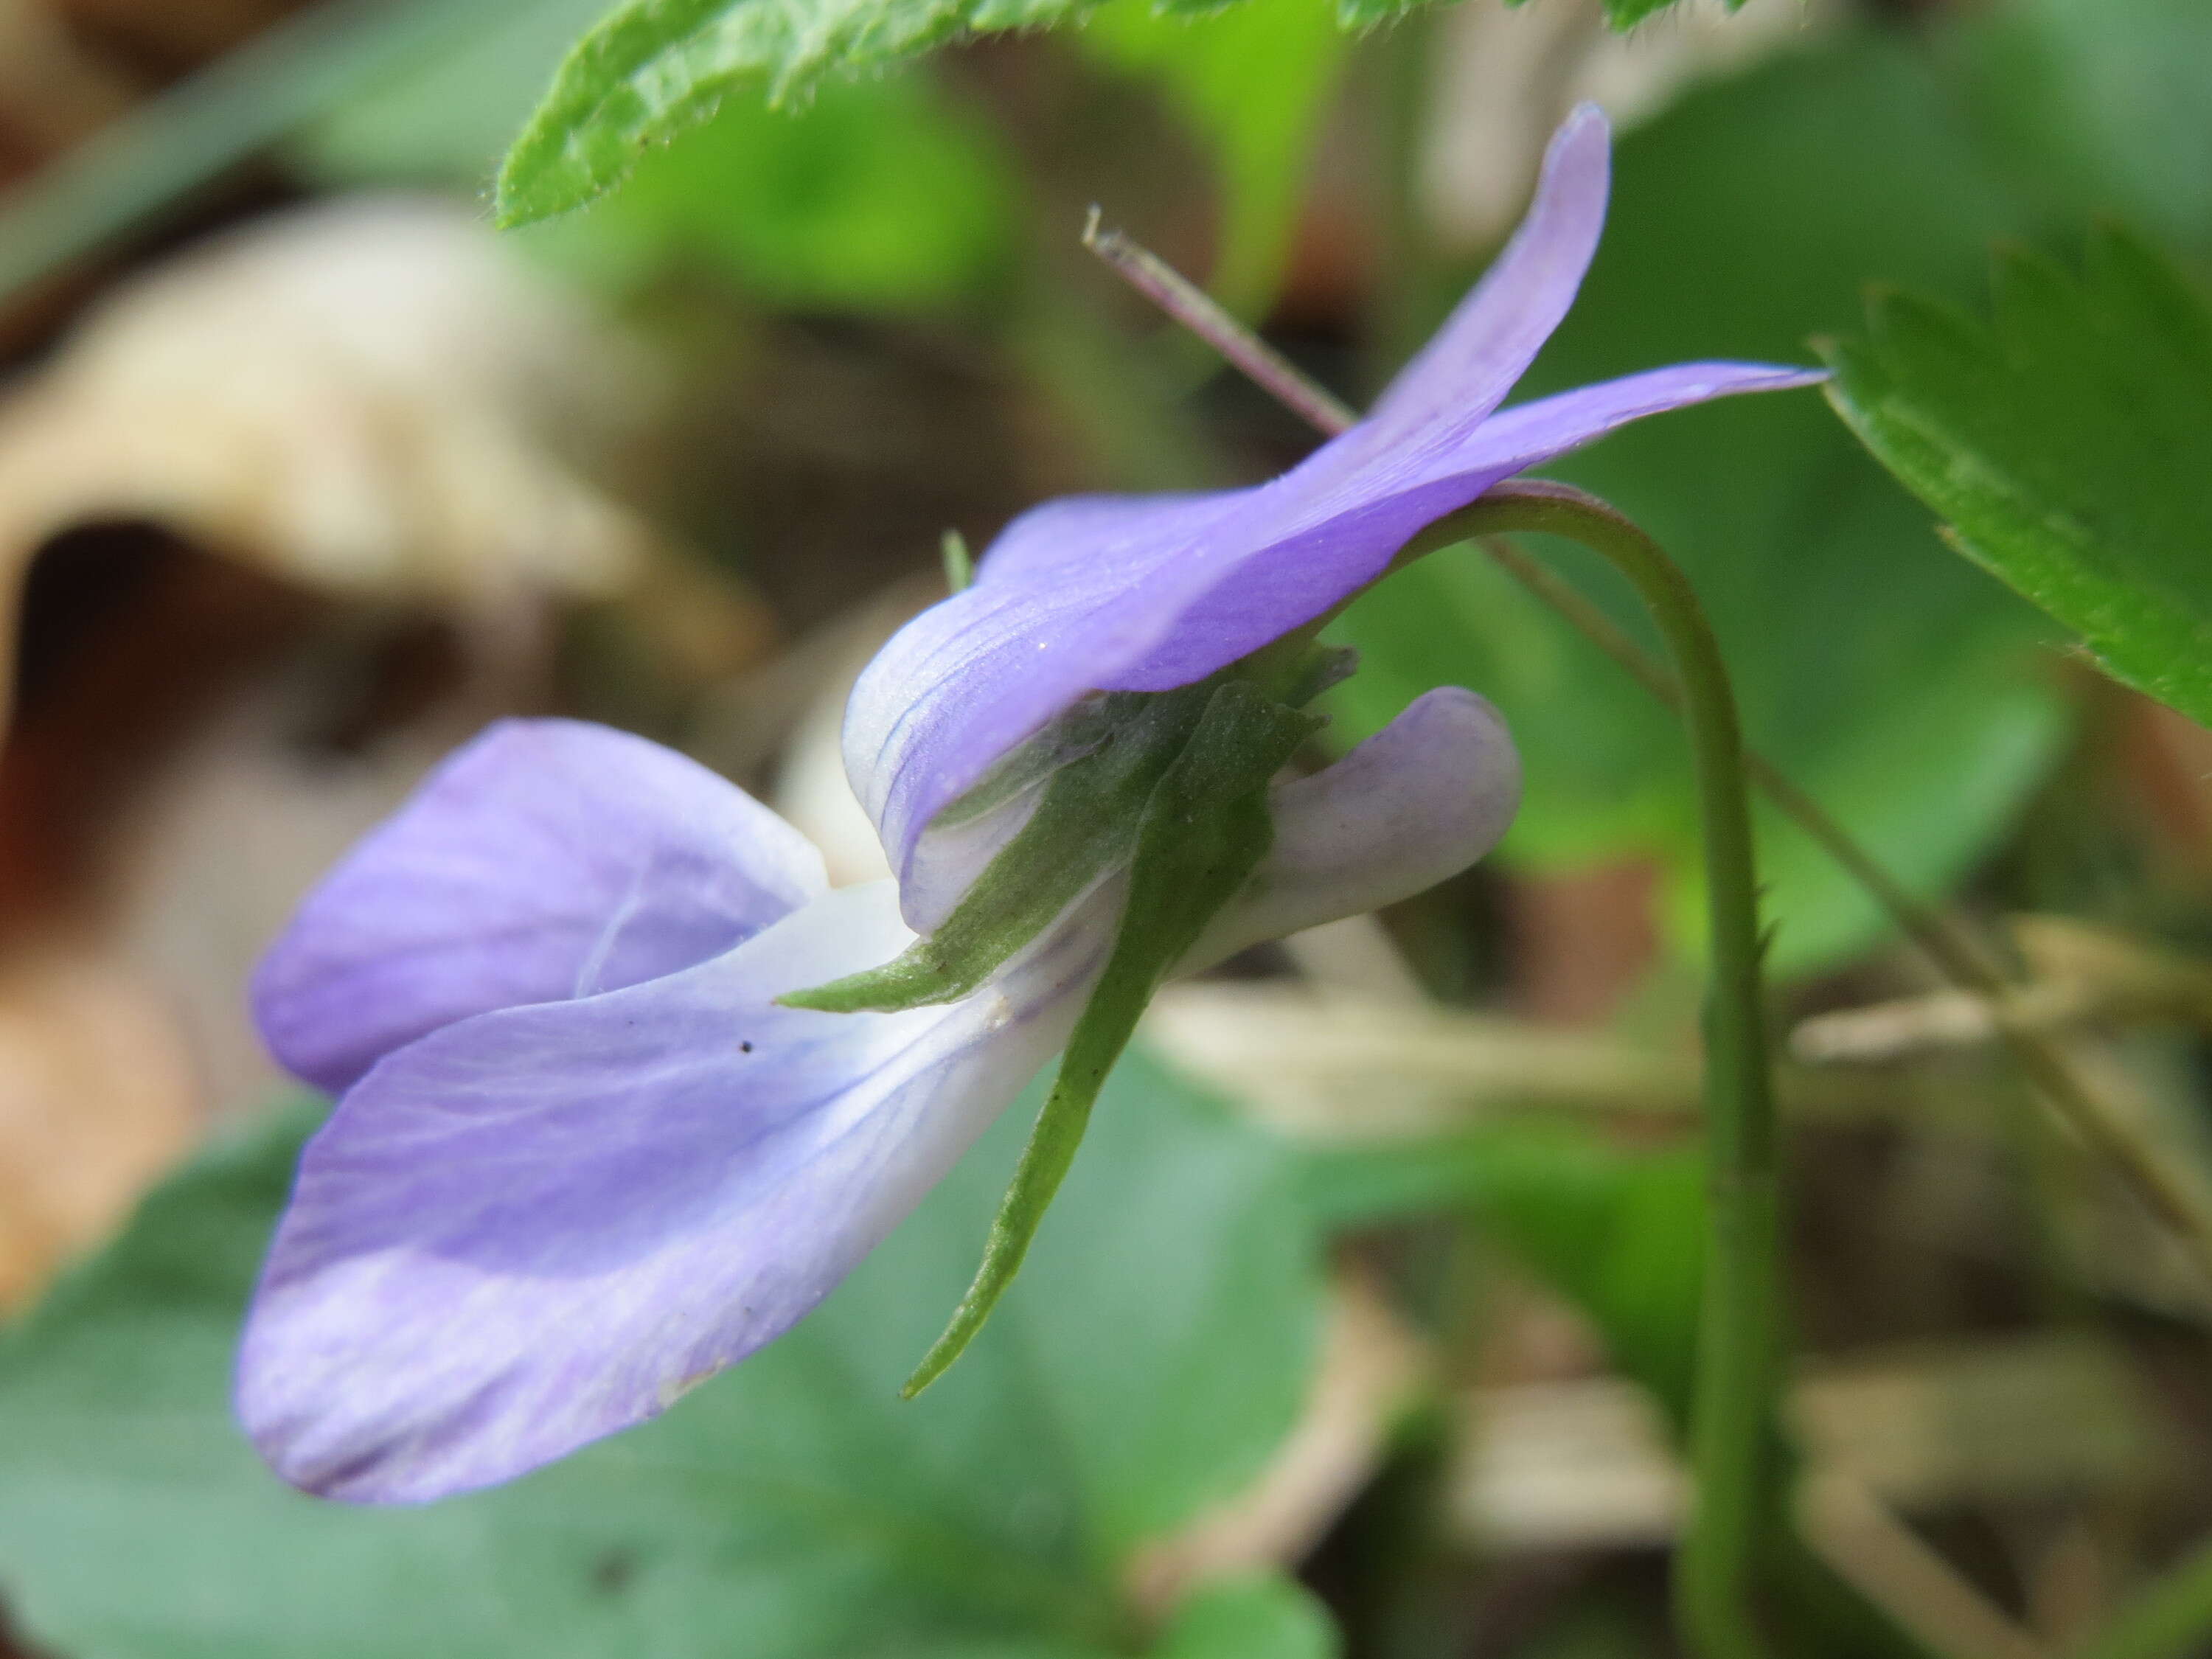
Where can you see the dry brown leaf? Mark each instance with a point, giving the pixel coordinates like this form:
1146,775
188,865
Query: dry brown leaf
369,398
162,38
53,92
97,1098
370,417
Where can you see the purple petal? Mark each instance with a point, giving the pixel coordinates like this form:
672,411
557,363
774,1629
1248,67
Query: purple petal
545,1223
545,861
1494,334
1531,435
1102,593
1414,805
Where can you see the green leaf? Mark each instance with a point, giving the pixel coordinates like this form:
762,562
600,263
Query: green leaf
878,196
1258,1617
1895,682
881,195
652,68
1204,830
1159,1349
2066,443
1253,82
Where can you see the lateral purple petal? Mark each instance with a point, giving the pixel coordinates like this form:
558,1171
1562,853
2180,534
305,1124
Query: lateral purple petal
545,1223
547,859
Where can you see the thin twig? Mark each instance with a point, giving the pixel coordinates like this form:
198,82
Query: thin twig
1191,305
1948,942
1889,1564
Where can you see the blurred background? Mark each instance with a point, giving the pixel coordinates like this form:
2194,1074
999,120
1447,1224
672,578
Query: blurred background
1365,1325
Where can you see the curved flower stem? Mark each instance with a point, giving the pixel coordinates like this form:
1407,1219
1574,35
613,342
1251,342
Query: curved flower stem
1950,944
1732,1409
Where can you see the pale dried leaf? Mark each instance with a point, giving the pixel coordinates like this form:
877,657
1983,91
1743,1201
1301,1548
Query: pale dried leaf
97,1099
369,396
1585,1464
1337,1069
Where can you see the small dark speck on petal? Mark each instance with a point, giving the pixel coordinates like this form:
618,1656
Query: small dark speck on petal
613,1572
744,1047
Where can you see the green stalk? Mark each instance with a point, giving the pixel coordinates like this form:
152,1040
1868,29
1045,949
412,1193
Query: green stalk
1732,1407
1950,944
1732,1429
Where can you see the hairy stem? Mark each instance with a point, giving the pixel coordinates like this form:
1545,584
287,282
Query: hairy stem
1732,1427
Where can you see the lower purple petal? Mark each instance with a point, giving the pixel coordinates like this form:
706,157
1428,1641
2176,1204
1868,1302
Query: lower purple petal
545,1223
546,860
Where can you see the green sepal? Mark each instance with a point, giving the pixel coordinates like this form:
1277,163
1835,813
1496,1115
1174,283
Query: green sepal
1203,831
1099,765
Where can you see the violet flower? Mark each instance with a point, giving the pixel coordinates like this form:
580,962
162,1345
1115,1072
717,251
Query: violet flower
583,1157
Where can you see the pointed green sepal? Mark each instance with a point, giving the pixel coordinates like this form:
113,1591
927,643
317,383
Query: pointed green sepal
1204,830
1083,829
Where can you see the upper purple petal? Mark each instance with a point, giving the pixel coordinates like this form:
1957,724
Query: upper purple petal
546,860
545,1224
1144,593
1492,335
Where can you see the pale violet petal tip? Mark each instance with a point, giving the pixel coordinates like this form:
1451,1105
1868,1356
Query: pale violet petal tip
1414,805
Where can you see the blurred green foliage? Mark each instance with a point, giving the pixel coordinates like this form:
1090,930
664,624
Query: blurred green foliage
1254,1616
797,1501
1613,1229
882,196
1253,82
2101,102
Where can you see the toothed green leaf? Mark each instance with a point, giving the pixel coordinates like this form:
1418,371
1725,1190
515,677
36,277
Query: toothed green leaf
2067,442
652,68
